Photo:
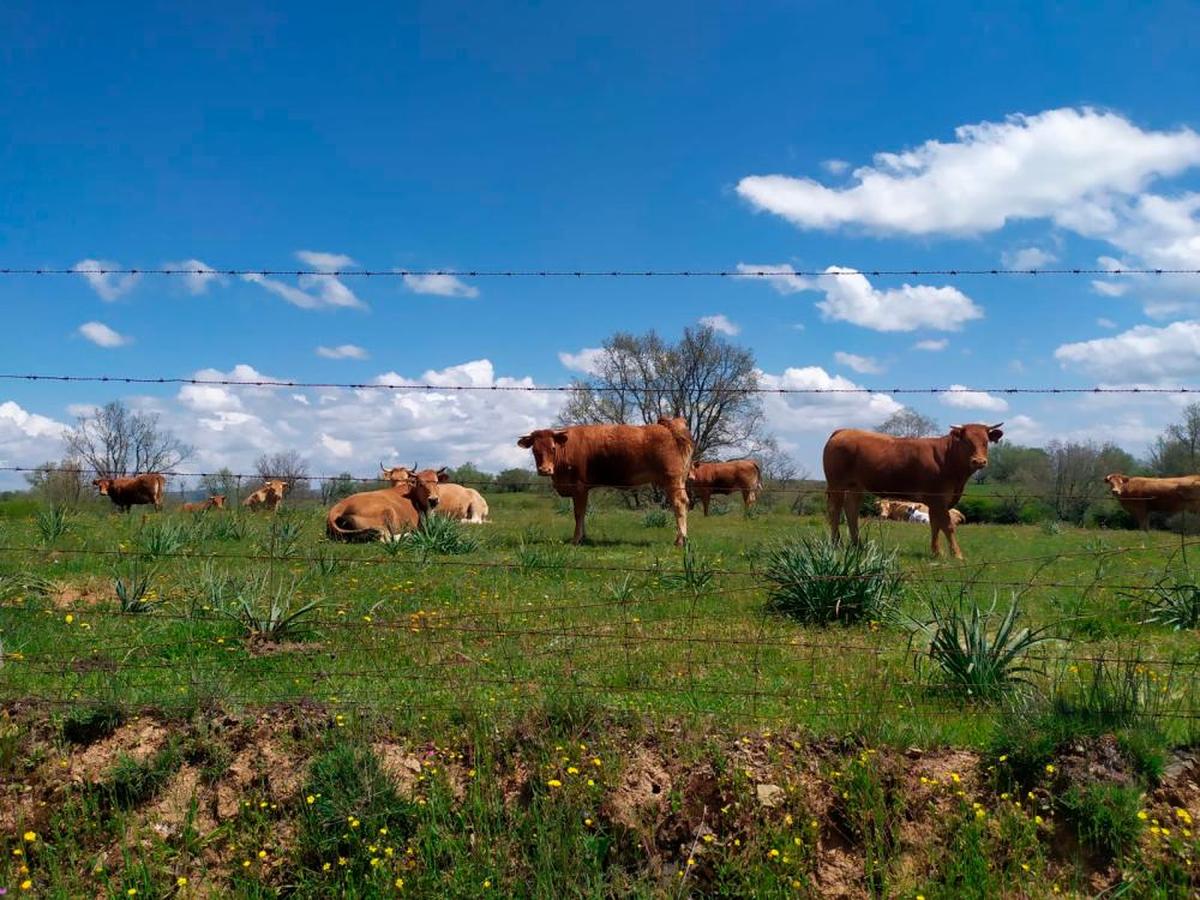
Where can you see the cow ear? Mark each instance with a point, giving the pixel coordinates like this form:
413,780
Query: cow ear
525,441
442,475
560,437
956,431
994,435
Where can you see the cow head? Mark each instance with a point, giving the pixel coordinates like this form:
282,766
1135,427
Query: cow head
974,440
443,475
423,489
102,485
218,501
397,475
884,507
544,443
1116,483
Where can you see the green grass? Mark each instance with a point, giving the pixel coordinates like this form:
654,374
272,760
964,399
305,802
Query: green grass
419,640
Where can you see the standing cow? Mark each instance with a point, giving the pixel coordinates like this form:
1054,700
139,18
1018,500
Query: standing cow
136,491
723,478
583,457
1141,496
932,471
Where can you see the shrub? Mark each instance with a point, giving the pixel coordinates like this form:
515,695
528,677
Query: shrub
972,657
819,583
229,527
53,522
133,588
163,537
1052,527
1175,602
268,614
1104,816
442,536
656,518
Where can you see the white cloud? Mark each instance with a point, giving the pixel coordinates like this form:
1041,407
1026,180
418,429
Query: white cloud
1106,323
108,285
835,166
337,448
932,346
440,285
103,336
961,397
1067,165
27,439
782,278
342,351
586,360
1142,354
720,324
313,291
1027,258
199,275
842,403
864,364
850,297
1110,288
1022,429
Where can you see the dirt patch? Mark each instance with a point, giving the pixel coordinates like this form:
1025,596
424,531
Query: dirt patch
91,592
138,739
400,766
171,812
640,795
257,647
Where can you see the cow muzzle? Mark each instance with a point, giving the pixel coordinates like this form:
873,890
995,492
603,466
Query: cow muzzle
433,501
978,462
545,470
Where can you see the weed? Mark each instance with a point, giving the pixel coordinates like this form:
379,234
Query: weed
1051,527
326,564
1104,816
819,583
283,536
438,535
979,654
694,577
53,522
86,724
268,613
230,527
1175,602
133,588
871,809
656,518
10,740
534,556
163,537
132,782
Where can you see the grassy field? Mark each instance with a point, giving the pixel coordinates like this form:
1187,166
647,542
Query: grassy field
525,717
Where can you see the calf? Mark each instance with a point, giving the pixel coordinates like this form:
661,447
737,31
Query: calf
933,471
1141,496
907,511
139,490
583,457
216,501
707,479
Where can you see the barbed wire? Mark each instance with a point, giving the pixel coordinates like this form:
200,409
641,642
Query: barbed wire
566,388
624,272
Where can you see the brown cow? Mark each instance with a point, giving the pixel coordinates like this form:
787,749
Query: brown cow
582,457
1142,496
903,511
463,504
136,491
707,479
933,471
216,501
269,496
388,513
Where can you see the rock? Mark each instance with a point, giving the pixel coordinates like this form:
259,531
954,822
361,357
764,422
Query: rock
770,795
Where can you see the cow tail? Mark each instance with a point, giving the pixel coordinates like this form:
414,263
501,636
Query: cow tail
336,532
683,439
757,476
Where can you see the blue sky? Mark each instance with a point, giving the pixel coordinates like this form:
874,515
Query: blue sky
580,135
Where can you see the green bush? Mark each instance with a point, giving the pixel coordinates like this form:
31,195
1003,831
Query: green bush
819,583
656,518
442,536
1175,602
53,522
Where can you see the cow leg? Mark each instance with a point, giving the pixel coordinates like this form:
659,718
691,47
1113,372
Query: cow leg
940,521
581,501
678,496
852,502
750,497
833,509
704,498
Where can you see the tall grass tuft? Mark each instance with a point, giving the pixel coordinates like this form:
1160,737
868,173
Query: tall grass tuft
695,575
229,527
656,518
272,613
283,536
163,537
1104,816
53,522
980,654
133,588
438,535
1175,602
820,584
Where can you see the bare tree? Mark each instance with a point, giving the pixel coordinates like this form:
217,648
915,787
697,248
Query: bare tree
115,440
704,378
906,422
1177,450
287,466
223,481
60,483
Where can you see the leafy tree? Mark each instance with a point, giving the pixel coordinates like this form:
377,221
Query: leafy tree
223,481
1177,450
115,440
512,481
338,488
59,483
907,422
470,476
706,379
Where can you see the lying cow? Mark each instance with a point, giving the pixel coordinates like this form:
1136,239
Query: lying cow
216,501
907,511
583,457
463,504
386,514
139,490
269,496
723,478
932,471
1141,496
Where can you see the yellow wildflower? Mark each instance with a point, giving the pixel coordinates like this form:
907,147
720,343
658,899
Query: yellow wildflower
30,836
554,783
181,881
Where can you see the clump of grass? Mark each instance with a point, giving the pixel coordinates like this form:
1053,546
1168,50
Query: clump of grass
871,809
269,613
980,654
818,583
132,782
533,555
326,564
10,739
86,724
229,527
695,576
347,785
1175,602
133,588
438,535
283,536
1051,527
163,537
656,518
1104,816
53,522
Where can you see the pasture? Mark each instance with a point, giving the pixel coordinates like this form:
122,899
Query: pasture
231,700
